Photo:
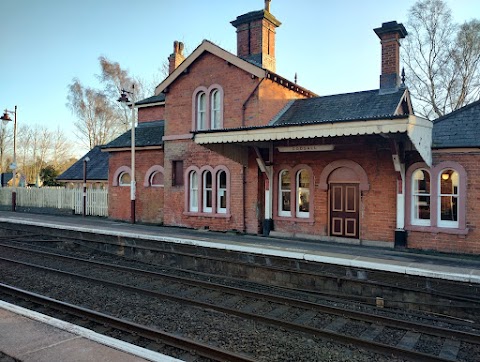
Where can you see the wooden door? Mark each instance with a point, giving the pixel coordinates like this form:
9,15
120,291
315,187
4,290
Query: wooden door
344,210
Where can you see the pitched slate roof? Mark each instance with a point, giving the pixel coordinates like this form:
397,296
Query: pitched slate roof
97,167
152,99
460,128
341,107
146,134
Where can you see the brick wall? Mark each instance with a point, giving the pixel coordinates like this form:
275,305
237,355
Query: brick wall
149,200
469,243
154,113
378,204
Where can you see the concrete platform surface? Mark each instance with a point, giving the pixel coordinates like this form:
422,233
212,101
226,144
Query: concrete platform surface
434,265
33,337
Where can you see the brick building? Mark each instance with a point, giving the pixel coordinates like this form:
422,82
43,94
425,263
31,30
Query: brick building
227,144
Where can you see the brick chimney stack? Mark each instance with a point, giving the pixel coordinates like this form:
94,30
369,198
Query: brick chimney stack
256,37
177,57
390,34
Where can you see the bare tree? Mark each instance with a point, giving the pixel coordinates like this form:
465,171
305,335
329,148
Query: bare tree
96,122
6,136
61,150
442,59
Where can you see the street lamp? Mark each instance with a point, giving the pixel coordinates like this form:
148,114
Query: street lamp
85,160
6,118
124,99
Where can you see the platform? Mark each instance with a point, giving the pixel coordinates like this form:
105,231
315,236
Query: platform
453,267
29,336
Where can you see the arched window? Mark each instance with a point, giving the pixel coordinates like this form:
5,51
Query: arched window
222,192
124,179
156,179
215,118
201,111
193,192
207,191
448,198
284,208
421,197
303,193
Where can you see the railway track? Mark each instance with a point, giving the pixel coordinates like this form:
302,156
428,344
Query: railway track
132,332
384,334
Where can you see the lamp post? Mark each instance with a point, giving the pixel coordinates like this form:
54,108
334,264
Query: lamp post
6,118
124,99
85,160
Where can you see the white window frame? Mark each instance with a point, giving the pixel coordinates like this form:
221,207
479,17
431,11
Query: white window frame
298,191
221,191
152,176
215,109
201,111
447,223
207,190
120,177
193,191
281,191
414,219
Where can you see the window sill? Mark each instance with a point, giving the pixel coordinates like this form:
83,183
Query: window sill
208,214
436,229
294,219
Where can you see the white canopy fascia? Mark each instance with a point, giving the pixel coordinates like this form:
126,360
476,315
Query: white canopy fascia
419,131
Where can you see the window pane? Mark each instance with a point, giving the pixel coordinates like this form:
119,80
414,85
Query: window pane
421,183
215,109
449,206
449,182
303,191
193,191
201,111
207,191
156,179
124,179
422,207
285,180
222,192
285,200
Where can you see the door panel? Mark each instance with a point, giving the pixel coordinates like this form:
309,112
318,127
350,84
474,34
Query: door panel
344,214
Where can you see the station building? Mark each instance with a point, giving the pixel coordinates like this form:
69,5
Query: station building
227,144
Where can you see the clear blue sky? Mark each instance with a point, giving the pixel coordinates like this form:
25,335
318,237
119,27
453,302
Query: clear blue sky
44,44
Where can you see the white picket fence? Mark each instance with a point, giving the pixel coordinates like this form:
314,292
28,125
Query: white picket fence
58,197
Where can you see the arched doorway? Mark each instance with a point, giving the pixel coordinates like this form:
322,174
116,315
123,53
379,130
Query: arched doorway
344,180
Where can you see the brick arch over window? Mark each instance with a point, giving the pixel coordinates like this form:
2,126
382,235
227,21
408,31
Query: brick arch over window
150,172
118,172
362,175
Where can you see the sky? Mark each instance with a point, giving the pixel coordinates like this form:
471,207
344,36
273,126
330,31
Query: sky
45,44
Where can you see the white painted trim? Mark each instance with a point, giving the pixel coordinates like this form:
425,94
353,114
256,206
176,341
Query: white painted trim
87,333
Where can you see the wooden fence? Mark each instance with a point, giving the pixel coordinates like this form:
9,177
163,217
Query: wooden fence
58,197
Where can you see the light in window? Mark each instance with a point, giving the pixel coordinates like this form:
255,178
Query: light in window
448,199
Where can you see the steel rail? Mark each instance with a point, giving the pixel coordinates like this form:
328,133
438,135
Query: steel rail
130,327
353,314
371,345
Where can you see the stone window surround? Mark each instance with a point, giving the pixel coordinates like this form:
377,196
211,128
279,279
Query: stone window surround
200,171
435,173
147,182
208,92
